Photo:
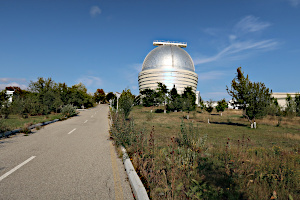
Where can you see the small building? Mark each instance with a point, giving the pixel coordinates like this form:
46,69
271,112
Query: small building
10,94
281,97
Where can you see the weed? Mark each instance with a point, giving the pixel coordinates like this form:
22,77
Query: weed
26,130
182,162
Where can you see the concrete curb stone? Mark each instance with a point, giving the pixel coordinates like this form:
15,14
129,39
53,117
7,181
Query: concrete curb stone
137,186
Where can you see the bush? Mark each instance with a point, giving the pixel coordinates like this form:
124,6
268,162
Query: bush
68,111
3,128
126,102
122,130
26,130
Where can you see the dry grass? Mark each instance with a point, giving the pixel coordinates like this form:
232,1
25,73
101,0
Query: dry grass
176,161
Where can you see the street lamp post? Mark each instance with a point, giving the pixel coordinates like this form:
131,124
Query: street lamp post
118,96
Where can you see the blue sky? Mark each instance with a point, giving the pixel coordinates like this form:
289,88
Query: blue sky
103,43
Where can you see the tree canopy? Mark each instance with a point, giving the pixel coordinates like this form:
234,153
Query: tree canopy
254,98
126,102
222,105
99,96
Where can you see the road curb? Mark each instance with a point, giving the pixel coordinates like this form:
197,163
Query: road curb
137,186
8,133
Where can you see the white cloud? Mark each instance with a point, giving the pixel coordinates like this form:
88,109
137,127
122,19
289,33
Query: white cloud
211,75
95,10
250,24
90,81
237,46
211,31
16,82
7,80
232,37
294,3
137,66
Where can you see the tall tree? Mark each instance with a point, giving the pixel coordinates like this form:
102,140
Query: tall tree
99,96
162,92
175,100
254,98
126,102
148,98
110,96
4,104
44,90
222,105
188,100
297,104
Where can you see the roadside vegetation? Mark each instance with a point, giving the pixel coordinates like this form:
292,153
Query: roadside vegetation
226,159
179,155
45,100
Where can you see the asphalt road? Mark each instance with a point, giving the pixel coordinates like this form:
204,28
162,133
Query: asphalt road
71,159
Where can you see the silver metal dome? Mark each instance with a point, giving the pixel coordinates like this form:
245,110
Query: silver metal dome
168,64
168,58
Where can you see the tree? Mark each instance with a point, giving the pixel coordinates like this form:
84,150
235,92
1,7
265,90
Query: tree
209,108
254,98
79,97
222,105
4,104
44,89
162,92
64,92
110,96
290,109
188,100
149,96
126,102
99,96
174,102
3,97
173,94
297,104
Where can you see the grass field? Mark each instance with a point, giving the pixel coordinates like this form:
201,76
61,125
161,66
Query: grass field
225,159
15,121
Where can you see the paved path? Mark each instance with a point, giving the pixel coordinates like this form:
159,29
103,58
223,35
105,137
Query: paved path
72,159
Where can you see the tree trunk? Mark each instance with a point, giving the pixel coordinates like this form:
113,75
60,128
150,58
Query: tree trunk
251,123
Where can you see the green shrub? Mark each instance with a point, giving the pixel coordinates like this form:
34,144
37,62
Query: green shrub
3,128
122,132
68,111
26,130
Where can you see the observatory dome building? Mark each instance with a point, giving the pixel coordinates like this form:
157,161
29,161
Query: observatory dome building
169,64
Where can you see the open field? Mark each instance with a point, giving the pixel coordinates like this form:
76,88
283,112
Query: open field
230,125
15,121
226,159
